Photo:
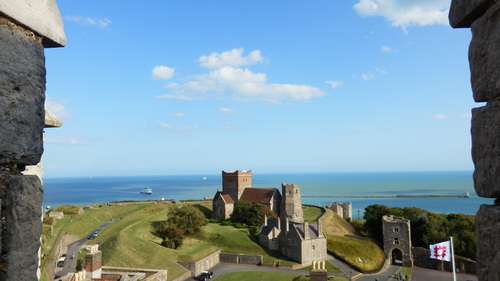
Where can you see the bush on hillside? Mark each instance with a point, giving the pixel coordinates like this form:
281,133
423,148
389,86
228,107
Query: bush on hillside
181,222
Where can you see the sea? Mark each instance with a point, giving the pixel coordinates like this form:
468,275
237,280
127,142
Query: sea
82,191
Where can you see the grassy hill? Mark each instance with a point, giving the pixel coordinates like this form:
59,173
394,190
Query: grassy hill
344,243
128,242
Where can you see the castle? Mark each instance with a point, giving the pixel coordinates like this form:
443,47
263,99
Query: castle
289,234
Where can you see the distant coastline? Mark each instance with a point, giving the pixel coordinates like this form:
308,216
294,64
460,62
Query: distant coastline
437,192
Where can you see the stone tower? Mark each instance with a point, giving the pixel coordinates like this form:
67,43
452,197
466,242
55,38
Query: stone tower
397,236
235,182
291,205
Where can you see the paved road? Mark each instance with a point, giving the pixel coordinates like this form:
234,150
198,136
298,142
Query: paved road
419,274
424,274
70,265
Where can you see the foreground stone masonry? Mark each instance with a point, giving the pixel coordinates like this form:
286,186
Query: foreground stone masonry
484,57
26,28
22,95
485,130
21,226
483,16
487,240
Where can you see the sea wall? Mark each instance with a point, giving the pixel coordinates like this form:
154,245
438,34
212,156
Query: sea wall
483,17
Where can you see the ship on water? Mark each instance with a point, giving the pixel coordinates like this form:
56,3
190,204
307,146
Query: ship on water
146,191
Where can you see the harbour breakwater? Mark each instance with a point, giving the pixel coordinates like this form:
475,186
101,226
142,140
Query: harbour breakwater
390,196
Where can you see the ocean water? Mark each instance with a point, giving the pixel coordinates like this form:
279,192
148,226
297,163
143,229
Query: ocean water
84,191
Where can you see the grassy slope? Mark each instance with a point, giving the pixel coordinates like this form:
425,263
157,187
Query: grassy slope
351,248
129,242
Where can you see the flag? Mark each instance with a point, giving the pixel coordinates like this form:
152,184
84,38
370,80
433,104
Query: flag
441,251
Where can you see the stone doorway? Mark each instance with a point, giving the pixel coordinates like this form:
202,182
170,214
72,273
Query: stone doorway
397,257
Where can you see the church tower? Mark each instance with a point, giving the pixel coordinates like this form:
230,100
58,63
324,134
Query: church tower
235,182
291,204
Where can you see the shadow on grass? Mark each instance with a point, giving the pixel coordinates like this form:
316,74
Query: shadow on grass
206,211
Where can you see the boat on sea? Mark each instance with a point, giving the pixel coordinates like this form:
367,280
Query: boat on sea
146,191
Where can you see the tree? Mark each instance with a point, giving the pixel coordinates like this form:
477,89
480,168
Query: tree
182,221
250,214
373,221
427,227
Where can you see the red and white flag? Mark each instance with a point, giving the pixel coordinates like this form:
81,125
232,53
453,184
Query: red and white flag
441,251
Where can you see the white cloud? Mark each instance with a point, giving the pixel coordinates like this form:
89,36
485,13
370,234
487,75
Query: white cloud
226,110
335,84
227,81
229,127
466,115
368,76
178,114
439,116
57,108
67,141
177,128
406,13
99,22
233,58
387,49
372,73
241,85
162,72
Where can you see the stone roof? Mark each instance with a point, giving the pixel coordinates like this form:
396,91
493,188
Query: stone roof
258,195
313,229
272,223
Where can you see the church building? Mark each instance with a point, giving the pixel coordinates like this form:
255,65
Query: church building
298,240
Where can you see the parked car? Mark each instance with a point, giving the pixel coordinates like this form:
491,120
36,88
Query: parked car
205,275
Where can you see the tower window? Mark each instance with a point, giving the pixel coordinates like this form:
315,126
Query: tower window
396,229
396,241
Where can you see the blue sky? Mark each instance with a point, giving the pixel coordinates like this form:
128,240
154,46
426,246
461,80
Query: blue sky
196,87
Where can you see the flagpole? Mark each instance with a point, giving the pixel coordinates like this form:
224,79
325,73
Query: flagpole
453,259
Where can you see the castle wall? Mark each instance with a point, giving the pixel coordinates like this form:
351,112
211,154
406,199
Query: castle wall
483,17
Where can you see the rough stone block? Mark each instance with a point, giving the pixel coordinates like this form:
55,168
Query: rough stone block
21,226
488,242
40,16
22,96
485,131
484,57
464,12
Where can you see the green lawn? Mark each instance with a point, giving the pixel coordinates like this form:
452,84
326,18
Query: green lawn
312,214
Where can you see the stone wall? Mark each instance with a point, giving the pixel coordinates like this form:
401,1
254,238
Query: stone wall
240,258
200,265
483,17
26,28
421,258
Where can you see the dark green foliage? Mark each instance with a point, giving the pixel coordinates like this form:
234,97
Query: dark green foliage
225,223
427,227
181,222
250,214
